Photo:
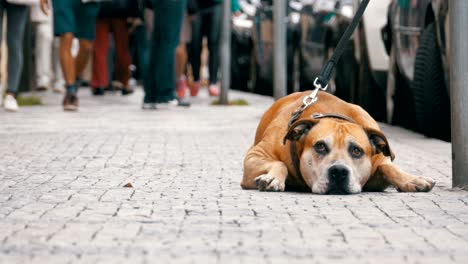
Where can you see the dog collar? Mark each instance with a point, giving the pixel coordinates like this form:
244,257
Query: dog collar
337,116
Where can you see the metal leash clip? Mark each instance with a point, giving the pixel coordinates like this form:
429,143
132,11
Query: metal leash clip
312,98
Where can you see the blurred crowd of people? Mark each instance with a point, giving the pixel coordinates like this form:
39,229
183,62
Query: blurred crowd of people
122,41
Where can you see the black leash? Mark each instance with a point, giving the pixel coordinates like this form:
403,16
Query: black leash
321,82
327,70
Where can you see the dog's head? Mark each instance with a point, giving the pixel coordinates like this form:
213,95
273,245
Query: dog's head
336,155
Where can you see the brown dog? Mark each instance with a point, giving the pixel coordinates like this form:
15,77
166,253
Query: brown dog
333,148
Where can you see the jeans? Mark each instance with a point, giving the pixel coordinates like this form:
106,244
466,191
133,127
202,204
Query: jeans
17,16
160,78
207,24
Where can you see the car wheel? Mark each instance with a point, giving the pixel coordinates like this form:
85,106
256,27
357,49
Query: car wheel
400,102
431,101
368,94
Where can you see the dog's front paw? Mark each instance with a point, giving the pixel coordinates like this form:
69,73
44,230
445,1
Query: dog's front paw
417,184
269,183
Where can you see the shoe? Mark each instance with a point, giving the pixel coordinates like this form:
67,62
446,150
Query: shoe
109,88
42,88
173,103
58,89
82,83
70,102
180,102
127,91
213,90
97,91
181,88
194,88
10,103
148,106
117,85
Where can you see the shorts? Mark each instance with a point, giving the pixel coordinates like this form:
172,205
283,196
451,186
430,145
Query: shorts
72,16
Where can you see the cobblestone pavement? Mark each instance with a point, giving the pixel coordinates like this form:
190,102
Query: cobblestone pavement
62,198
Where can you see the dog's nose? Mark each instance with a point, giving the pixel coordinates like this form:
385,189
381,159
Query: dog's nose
338,173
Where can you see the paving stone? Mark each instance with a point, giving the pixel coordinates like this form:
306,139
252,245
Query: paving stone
62,198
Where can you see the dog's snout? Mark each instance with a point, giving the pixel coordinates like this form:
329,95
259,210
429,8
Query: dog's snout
338,173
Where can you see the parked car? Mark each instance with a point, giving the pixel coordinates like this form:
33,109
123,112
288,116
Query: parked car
418,84
371,53
322,24
262,51
314,28
241,46
252,46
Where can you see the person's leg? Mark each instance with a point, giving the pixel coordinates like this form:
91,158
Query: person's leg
86,46
194,53
59,82
43,53
120,31
85,15
65,27
141,42
167,24
213,47
17,16
67,61
100,79
2,8
181,60
196,47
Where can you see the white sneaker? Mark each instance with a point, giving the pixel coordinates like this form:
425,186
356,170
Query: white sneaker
59,89
10,103
175,103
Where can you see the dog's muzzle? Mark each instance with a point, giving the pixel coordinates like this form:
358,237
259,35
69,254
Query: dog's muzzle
338,180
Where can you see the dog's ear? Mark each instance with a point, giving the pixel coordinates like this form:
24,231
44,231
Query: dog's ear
379,142
298,129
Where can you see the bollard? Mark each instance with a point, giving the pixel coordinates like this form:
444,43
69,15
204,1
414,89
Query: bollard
458,12
225,53
279,49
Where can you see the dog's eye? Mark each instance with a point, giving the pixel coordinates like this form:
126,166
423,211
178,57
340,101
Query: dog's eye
321,148
356,152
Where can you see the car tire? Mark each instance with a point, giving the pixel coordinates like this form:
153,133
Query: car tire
431,101
400,102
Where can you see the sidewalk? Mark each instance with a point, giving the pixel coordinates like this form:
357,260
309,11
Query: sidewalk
62,200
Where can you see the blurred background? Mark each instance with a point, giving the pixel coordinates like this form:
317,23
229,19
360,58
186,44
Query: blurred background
396,65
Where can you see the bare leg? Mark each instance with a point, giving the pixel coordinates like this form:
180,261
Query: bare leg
181,60
83,55
66,58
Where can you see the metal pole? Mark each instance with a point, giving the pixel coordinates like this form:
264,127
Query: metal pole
458,12
279,48
225,53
